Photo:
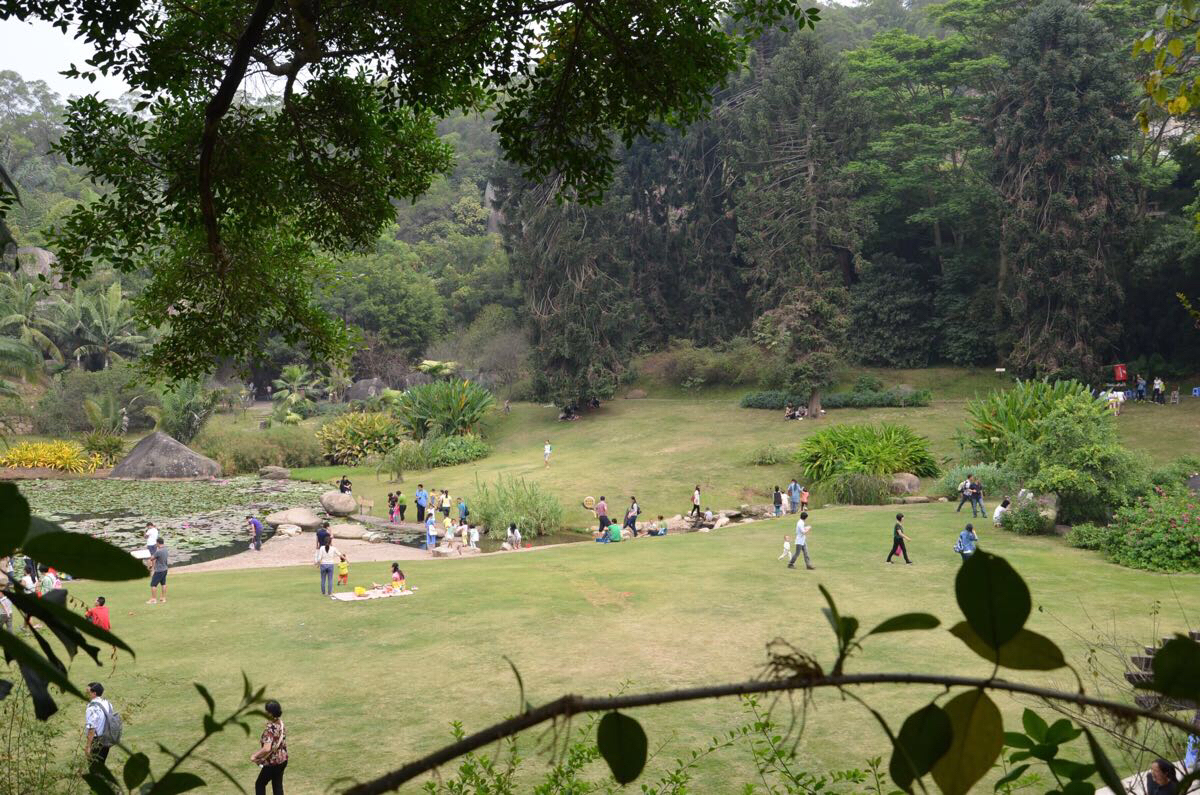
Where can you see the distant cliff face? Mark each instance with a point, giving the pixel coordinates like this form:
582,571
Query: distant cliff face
34,261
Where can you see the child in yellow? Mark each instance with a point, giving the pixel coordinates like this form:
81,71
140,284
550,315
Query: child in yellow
343,571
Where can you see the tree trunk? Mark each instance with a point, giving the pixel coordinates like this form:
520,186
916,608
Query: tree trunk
814,405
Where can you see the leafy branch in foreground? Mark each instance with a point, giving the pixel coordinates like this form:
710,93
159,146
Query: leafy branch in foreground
955,739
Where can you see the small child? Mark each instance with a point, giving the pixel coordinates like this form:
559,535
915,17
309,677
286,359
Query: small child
804,498
398,583
787,549
343,571
474,537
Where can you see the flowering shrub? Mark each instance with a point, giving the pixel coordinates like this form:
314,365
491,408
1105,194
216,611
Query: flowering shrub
1160,532
62,456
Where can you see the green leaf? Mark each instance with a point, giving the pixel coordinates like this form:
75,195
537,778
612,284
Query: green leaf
173,783
978,739
1017,740
1035,727
924,737
55,614
993,598
16,649
905,622
1028,651
1062,731
1079,788
1176,669
1073,771
85,557
204,694
1010,777
14,518
623,745
1175,47
137,767
1108,773
98,784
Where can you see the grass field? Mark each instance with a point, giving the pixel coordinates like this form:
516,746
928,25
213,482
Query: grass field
368,686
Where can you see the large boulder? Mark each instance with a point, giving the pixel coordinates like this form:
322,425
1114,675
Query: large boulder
365,389
288,530
301,517
336,503
721,522
905,483
274,473
158,456
352,531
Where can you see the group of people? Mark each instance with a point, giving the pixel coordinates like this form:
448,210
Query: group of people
965,545
790,500
608,529
791,412
432,501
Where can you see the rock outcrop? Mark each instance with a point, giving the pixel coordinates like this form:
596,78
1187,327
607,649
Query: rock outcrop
337,504
159,457
351,531
905,483
274,473
301,517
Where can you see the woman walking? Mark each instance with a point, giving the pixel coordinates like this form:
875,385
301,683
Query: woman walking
695,502
326,558
631,515
272,754
898,539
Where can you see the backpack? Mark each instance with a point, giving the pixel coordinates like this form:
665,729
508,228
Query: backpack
964,487
113,726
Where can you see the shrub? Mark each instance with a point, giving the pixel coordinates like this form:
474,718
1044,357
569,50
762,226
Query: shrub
868,383
998,421
767,455
107,448
997,481
1160,532
57,455
406,456
447,408
240,451
349,438
513,499
61,410
776,399
1073,451
865,449
448,451
852,488
185,407
1026,520
1173,477
736,362
1091,536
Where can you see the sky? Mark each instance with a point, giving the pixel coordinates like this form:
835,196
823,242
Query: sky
38,51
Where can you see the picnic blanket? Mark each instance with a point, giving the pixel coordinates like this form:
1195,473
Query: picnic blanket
374,593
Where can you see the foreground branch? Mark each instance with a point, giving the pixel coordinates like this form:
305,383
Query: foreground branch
569,705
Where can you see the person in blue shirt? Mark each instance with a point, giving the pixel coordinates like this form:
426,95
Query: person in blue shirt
255,533
966,542
422,500
430,531
463,512
793,491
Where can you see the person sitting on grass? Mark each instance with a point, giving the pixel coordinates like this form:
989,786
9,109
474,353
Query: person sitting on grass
614,532
97,614
658,527
1001,509
398,581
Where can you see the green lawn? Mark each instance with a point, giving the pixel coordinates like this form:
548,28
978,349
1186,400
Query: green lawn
367,686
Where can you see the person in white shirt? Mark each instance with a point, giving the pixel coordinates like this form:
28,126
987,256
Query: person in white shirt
695,502
151,537
998,514
95,720
787,549
802,531
546,450
326,558
514,536
474,534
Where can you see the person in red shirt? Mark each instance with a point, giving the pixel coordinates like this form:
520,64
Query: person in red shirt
98,615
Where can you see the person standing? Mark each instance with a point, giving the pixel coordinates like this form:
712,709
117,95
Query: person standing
401,505
965,546
546,451
1141,388
898,539
1159,389
326,558
803,498
977,497
602,513
777,501
421,498
632,514
255,533
801,548
964,492
1162,778
96,717
151,537
695,501
793,491
463,511
445,503
158,576
272,752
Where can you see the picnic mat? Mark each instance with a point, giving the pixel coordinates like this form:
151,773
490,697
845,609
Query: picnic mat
349,596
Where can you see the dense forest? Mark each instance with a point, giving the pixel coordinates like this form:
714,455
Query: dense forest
960,183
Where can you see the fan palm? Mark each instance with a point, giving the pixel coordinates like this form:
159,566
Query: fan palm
23,314
108,328
16,358
296,383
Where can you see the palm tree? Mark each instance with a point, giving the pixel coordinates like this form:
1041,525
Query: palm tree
108,327
297,380
23,314
16,358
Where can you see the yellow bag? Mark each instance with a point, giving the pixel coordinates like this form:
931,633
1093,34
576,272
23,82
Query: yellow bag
360,591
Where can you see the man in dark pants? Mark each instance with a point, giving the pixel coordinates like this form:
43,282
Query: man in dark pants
898,539
801,546
255,533
976,490
602,514
96,717
964,492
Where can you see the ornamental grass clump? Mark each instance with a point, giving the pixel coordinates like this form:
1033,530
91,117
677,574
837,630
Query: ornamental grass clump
865,450
57,455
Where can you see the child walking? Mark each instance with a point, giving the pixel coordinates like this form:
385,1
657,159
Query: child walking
898,539
787,549
343,571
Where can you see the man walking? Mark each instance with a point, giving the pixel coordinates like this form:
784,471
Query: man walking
977,497
802,530
158,576
964,492
793,491
602,514
255,533
898,539
422,500
96,717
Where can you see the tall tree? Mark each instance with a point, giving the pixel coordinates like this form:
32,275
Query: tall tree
1058,127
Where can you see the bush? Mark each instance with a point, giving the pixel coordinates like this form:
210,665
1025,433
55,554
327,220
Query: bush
865,449
776,399
1091,536
1173,477
58,455
1026,520
767,455
107,448
997,481
244,451
516,500
736,362
852,488
1160,532
447,408
447,451
184,409
61,408
349,438
1003,418
868,383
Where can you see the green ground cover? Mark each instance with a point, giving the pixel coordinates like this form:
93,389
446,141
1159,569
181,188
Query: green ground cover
366,686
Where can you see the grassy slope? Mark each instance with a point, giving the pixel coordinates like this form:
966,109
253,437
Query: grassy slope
389,676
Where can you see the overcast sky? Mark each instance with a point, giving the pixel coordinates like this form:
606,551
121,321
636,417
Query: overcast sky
38,51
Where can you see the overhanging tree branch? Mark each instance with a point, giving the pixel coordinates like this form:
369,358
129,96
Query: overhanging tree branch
569,705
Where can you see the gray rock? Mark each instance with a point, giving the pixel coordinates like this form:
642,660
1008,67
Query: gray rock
337,504
351,531
288,530
301,517
1194,484
905,483
914,500
721,522
275,473
158,456
365,389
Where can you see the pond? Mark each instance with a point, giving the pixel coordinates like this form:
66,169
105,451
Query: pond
201,520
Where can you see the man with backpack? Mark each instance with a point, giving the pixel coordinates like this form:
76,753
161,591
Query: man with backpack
964,493
103,726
